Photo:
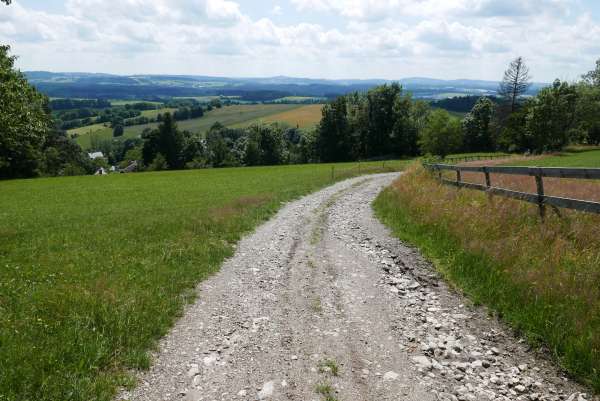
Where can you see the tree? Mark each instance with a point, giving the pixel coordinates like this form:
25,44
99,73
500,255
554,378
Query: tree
358,124
442,135
118,130
159,163
515,82
252,154
551,117
218,151
63,156
403,136
170,142
7,2
381,102
270,144
477,127
333,141
588,112
593,77
24,122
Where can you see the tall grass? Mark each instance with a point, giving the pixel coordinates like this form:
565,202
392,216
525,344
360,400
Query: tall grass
93,270
542,278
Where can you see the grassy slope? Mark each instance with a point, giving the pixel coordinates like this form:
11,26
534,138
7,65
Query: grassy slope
95,269
540,277
567,159
236,115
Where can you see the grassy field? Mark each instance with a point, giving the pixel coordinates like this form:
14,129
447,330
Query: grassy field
301,117
540,277
96,269
572,158
85,134
154,113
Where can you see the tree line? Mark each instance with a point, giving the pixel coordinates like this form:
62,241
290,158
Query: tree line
385,121
167,147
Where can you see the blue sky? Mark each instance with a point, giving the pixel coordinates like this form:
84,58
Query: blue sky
310,38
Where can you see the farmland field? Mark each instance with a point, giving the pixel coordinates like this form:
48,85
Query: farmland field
235,115
96,269
301,117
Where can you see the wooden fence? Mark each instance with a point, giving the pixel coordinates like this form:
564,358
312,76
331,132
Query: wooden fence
538,173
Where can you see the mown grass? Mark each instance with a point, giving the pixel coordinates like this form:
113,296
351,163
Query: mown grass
95,269
542,278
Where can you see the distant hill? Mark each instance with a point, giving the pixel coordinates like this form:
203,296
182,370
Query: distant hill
153,87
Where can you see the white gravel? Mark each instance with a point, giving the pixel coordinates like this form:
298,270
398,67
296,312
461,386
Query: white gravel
323,286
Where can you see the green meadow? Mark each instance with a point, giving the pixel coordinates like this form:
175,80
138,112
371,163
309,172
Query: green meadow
568,158
96,269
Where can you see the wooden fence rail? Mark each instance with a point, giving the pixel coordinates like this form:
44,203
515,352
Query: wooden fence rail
539,198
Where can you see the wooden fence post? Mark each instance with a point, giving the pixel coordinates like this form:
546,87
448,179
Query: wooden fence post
458,178
540,191
488,181
332,172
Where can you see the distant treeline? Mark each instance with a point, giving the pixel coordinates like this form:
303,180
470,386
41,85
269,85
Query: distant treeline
460,104
84,113
66,104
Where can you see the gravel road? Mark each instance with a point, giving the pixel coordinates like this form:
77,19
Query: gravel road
320,303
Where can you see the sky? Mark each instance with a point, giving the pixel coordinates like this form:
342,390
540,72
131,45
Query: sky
335,39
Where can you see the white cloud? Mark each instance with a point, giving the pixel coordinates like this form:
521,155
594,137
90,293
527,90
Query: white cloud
277,10
365,38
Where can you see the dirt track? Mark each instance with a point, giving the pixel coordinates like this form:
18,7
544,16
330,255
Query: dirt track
323,287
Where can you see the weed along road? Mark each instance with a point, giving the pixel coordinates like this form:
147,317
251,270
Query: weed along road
321,303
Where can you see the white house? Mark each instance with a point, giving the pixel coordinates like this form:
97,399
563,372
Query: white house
95,155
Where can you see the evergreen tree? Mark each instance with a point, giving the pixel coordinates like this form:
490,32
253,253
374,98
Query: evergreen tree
170,142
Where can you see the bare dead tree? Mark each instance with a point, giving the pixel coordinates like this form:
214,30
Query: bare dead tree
593,77
7,2
515,82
